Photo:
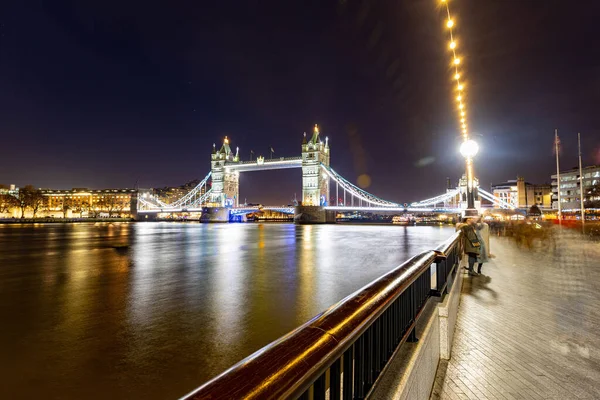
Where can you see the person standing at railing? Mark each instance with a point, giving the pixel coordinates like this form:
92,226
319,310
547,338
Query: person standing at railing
483,234
470,243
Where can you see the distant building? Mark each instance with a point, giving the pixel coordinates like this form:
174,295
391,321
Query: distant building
86,202
569,186
522,194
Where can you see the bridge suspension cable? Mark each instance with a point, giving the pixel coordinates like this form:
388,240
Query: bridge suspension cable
191,196
436,200
193,199
355,191
499,202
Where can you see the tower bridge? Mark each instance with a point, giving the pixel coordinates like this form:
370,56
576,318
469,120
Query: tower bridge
323,189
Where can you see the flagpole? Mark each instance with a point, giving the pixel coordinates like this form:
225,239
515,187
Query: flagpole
581,181
557,173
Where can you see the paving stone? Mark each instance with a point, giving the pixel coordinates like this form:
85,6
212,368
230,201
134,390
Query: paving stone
528,327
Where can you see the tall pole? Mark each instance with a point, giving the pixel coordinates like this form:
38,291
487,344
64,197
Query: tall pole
581,180
470,194
557,173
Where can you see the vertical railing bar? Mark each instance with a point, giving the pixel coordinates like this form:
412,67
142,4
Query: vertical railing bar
320,387
335,372
359,367
368,358
347,384
377,347
304,396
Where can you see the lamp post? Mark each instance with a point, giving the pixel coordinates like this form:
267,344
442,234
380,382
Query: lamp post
469,149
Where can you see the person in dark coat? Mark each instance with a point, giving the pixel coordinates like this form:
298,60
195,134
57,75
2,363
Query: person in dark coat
482,231
471,244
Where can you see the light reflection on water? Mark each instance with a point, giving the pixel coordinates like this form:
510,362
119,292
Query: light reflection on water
154,309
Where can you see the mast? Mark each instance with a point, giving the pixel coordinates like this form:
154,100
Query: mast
581,180
557,173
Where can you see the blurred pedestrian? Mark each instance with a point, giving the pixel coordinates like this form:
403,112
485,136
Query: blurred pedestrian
471,243
482,231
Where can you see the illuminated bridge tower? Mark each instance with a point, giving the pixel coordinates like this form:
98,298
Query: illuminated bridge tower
315,183
225,181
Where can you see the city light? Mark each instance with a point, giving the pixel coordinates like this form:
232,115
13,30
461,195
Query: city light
457,76
460,87
457,61
452,45
469,148
450,23
459,97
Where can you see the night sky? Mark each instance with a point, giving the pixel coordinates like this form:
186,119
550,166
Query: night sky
109,93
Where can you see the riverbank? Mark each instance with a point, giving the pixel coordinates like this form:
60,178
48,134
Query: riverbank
60,220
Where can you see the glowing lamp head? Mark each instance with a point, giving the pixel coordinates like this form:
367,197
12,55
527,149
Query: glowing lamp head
457,76
469,148
316,128
456,61
226,141
452,45
450,23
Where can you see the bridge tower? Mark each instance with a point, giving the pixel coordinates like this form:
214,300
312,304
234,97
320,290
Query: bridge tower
225,182
315,182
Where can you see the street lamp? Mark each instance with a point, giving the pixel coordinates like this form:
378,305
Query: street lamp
469,149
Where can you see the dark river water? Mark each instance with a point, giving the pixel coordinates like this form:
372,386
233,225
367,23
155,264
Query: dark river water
152,310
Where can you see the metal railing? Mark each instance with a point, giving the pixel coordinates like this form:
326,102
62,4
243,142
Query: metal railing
340,353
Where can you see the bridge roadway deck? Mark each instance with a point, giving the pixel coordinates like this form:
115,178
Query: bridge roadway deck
529,328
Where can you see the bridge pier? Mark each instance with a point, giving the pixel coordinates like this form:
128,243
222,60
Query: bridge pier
214,214
313,215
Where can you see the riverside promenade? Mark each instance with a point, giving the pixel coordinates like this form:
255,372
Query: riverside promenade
529,327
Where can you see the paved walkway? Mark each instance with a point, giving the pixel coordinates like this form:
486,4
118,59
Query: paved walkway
530,327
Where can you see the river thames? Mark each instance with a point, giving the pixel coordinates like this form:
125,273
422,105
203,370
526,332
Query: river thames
152,310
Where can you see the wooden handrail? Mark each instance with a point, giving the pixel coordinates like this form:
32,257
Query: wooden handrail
288,366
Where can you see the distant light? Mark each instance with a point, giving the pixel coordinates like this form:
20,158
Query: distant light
461,106
450,23
459,97
456,61
226,141
469,148
457,76
452,45
462,120
460,87
462,113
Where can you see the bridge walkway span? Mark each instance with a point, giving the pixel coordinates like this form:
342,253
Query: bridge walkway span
528,327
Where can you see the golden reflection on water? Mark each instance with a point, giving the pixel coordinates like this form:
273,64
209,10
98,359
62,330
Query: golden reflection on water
151,310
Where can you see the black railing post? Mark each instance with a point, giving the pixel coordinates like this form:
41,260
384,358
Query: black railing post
412,337
348,374
319,388
359,368
335,373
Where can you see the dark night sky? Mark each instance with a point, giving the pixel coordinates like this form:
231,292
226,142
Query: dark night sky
107,93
